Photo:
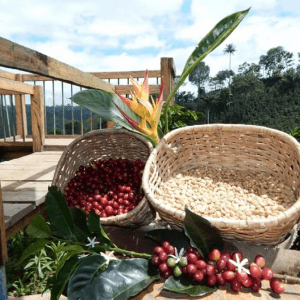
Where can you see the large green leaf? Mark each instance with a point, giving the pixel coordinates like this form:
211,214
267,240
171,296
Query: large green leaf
33,248
211,41
202,234
63,276
121,280
94,226
81,230
38,228
185,285
177,238
59,214
102,103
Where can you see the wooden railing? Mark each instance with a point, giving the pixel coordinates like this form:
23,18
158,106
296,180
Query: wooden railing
9,86
45,68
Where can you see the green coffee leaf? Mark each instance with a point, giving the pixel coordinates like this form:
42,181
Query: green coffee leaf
38,228
59,214
121,280
185,285
202,234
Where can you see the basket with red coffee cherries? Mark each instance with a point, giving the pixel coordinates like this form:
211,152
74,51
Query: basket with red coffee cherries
109,187
217,269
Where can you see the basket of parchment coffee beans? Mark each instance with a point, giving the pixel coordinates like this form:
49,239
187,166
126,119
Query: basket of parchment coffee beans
244,179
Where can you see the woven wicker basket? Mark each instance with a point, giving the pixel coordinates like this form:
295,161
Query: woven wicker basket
105,144
236,147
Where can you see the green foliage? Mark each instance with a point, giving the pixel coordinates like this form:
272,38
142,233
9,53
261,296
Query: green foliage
199,76
35,274
177,238
272,101
93,279
201,233
276,60
295,132
211,41
185,285
38,228
178,117
80,269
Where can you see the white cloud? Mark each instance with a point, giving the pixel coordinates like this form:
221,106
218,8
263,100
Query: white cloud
118,35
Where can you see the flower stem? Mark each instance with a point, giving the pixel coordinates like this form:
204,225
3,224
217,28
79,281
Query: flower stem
107,248
131,253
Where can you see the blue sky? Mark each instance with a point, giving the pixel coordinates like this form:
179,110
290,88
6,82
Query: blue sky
120,35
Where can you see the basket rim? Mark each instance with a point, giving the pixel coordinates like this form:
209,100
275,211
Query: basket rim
95,133
229,127
270,222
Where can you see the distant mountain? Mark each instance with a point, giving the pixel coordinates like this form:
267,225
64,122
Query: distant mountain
54,115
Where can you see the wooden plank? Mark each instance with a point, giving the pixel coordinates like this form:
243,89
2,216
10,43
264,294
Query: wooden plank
26,167
35,159
7,92
15,87
24,196
3,250
34,77
25,220
13,144
14,185
126,74
50,148
126,89
15,164
17,139
101,75
35,173
110,124
167,73
15,56
37,119
59,142
155,291
21,117
62,136
7,75
29,175
15,212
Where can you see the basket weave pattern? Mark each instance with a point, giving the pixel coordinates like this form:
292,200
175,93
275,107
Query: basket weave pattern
236,147
105,144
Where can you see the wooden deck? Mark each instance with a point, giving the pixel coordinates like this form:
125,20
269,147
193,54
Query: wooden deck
55,143
24,183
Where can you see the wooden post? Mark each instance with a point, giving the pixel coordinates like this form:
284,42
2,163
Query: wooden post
21,118
37,119
110,124
167,74
3,252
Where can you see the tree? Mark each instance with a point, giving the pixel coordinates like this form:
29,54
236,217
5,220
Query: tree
70,125
276,60
224,75
182,98
246,68
199,76
230,49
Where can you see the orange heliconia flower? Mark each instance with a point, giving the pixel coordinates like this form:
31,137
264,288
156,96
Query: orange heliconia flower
146,108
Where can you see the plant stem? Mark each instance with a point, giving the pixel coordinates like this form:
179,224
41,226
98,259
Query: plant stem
126,252
115,249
